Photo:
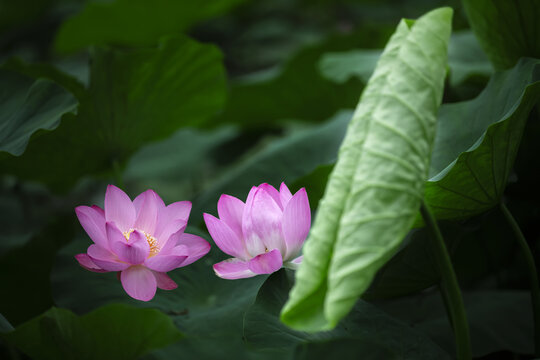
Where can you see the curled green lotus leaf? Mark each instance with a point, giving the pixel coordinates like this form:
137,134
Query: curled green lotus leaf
375,189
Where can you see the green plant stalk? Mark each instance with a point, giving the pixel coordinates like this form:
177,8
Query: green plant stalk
449,288
533,274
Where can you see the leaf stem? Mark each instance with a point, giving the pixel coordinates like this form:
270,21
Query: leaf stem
449,288
533,274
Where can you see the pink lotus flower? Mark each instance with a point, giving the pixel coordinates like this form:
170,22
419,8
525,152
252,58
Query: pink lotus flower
264,234
143,240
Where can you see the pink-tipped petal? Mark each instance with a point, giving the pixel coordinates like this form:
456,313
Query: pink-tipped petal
148,212
266,263
284,194
86,262
175,211
274,194
164,282
298,260
232,269
266,218
296,223
105,259
134,251
169,218
93,222
99,210
139,200
224,237
174,228
171,261
179,210
119,208
197,247
230,210
139,282
252,241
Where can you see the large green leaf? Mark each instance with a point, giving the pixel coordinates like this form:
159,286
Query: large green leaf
507,30
134,22
477,142
376,187
135,96
366,333
115,331
206,308
28,105
284,159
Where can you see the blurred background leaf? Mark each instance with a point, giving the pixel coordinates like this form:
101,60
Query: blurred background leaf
153,113
297,91
465,59
27,106
5,326
366,329
499,320
74,79
506,30
115,330
133,22
127,105
479,248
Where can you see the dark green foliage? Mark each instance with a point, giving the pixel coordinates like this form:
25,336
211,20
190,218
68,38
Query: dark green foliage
129,22
195,99
477,143
507,30
365,330
113,331
28,106
134,97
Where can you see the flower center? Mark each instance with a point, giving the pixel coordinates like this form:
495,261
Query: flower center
152,241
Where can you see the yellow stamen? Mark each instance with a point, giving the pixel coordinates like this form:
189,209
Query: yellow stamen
152,241
127,233
154,246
